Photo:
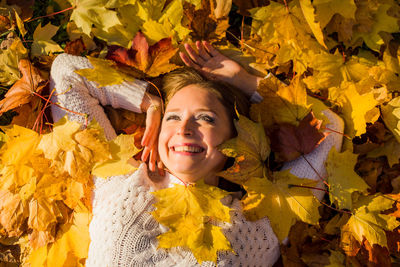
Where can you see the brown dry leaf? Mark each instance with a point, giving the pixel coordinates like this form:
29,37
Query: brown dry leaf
152,60
290,142
22,91
370,169
13,213
76,47
377,255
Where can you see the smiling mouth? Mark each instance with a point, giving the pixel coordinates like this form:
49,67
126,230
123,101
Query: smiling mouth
188,149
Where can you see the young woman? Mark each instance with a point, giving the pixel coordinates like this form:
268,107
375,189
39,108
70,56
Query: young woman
198,117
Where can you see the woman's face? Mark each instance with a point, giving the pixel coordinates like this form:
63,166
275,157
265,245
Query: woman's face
194,124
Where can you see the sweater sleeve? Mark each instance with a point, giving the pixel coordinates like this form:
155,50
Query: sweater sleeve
80,97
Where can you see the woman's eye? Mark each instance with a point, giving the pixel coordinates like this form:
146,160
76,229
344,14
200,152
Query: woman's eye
172,117
207,118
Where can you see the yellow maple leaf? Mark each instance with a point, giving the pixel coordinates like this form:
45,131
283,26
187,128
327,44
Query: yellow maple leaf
203,239
60,139
331,69
391,116
282,103
283,197
70,247
381,22
122,149
103,73
42,42
19,146
342,178
189,219
367,220
357,109
9,59
93,12
250,149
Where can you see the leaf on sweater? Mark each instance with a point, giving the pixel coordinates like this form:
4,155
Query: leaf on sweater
342,178
152,60
290,142
42,42
189,219
22,91
368,222
250,149
283,197
104,73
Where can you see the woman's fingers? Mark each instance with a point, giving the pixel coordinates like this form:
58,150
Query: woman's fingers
193,55
202,52
210,49
188,61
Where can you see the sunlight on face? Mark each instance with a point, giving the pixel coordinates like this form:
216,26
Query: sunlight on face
194,124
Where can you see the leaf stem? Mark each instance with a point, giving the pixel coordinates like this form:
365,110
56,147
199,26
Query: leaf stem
316,172
52,14
345,135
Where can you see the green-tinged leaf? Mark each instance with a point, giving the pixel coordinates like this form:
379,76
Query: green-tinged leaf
342,178
42,43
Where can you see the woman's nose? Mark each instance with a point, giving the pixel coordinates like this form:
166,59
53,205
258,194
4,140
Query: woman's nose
185,128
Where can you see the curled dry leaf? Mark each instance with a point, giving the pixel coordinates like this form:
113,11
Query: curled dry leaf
22,91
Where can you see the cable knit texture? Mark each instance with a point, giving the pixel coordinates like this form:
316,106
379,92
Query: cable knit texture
122,231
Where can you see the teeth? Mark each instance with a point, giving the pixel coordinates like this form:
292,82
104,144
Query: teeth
194,149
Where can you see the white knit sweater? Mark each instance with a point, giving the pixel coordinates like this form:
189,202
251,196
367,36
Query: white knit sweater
122,231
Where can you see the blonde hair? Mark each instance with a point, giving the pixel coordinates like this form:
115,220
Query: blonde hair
229,96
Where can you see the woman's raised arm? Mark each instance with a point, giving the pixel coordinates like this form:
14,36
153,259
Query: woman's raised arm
81,98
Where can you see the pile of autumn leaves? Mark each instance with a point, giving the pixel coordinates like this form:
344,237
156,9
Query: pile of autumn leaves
46,187
341,51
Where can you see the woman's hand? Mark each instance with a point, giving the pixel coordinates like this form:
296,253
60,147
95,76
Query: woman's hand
152,106
214,65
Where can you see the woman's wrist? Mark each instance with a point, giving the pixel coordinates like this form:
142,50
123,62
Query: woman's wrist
248,83
150,100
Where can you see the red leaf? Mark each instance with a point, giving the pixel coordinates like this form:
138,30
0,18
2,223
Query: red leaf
290,142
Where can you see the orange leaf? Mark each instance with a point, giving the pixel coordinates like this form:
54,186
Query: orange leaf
21,92
76,47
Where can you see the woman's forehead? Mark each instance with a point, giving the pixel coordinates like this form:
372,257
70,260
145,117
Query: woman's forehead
195,97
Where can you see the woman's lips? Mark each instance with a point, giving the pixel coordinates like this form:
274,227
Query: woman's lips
187,149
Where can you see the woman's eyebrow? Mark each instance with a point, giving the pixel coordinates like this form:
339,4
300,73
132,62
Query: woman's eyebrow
197,110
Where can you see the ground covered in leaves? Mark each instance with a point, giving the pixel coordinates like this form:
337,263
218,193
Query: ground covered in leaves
338,54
